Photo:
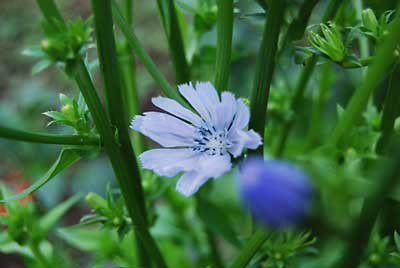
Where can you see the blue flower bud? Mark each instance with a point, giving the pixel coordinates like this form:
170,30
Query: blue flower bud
277,193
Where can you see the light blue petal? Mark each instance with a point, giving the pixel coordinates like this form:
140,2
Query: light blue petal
207,167
243,140
194,99
226,110
169,162
173,107
165,129
242,116
210,99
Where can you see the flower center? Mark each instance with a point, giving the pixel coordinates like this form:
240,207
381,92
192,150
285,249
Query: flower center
212,142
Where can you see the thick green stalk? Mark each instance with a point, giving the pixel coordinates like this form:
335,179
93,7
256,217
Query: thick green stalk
173,32
250,249
265,68
224,44
134,43
15,134
305,76
117,158
383,59
391,110
113,91
361,232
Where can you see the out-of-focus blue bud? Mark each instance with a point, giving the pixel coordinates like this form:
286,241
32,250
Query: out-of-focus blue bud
277,193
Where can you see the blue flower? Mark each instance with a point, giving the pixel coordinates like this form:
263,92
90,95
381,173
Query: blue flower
200,143
277,193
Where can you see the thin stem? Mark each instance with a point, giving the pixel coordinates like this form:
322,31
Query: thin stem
317,109
305,76
265,68
134,43
173,32
295,103
127,68
383,59
250,249
362,229
36,137
224,44
50,12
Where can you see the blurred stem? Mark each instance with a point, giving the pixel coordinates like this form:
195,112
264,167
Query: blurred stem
263,4
224,44
318,105
305,76
134,43
173,32
295,103
362,40
265,68
254,243
391,110
218,263
35,249
127,67
50,11
20,135
361,232
383,59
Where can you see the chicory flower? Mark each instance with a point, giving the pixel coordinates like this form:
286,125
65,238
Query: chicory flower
199,143
277,193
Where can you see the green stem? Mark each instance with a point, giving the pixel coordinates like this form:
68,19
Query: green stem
363,61
134,43
128,72
361,232
116,153
37,253
305,76
113,90
173,32
50,12
218,263
298,26
383,59
116,156
318,104
265,68
224,44
250,249
20,135
391,110
295,103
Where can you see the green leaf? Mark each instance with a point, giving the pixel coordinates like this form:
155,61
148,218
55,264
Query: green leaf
217,220
66,158
40,66
54,215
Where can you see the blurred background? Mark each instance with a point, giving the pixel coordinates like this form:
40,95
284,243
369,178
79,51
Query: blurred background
24,97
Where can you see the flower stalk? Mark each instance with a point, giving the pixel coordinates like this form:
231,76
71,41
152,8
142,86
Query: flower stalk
265,68
224,44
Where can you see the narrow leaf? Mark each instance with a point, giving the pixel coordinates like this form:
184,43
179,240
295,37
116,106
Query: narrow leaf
66,158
